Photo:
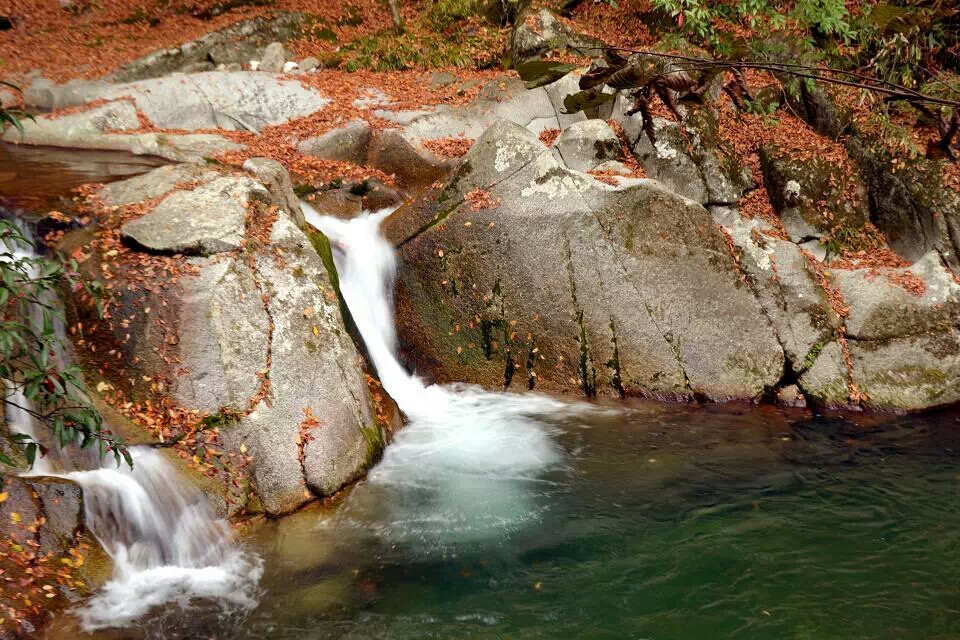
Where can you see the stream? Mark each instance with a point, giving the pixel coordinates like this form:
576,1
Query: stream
496,515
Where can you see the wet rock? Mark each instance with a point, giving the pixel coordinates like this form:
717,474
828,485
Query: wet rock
813,197
414,166
561,282
208,219
826,380
585,145
273,58
791,396
350,143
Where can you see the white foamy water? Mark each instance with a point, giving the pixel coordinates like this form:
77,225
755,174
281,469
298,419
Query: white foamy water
166,545
469,463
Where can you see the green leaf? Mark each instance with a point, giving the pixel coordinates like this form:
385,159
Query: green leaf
576,102
5,460
31,453
536,73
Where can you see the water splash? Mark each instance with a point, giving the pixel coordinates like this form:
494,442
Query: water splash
469,464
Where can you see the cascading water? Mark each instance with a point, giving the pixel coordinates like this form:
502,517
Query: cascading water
469,464
165,543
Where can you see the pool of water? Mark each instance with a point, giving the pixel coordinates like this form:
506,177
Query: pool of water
35,178
659,522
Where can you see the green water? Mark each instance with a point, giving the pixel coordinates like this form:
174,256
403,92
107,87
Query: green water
663,522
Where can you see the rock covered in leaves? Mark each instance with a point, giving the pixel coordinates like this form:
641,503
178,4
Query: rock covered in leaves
522,273
813,197
251,335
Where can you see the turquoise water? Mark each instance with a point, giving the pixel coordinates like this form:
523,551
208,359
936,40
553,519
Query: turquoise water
662,522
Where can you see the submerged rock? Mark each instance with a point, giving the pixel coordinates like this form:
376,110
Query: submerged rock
523,273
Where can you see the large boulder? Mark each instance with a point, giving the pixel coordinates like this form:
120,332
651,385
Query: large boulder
538,32
524,273
787,287
586,145
252,336
903,344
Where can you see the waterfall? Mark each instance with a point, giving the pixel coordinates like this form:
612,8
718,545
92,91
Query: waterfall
469,463
165,544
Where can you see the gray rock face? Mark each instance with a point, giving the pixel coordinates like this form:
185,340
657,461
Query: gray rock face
208,219
315,366
274,176
787,289
687,159
904,347
154,184
350,143
584,145
273,58
224,337
537,32
568,282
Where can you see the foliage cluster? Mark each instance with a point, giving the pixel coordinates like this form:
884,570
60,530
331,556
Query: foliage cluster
902,41
447,33
30,348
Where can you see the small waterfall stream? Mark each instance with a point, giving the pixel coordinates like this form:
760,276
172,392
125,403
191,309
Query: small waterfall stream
469,464
165,543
